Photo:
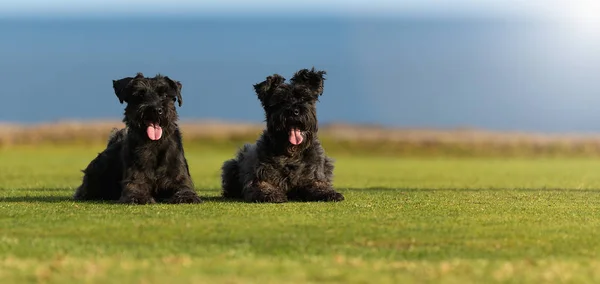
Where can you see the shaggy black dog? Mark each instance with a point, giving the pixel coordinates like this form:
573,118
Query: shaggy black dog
143,162
287,162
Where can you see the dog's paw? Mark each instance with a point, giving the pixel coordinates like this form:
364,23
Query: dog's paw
317,194
335,196
327,196
185,197
141,200
274,199
271,197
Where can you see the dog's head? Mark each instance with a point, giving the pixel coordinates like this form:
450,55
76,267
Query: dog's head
290,108
150,102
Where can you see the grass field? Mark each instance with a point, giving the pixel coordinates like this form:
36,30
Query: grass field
404,220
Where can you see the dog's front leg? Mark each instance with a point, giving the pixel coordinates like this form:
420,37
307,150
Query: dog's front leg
136,193
262,191
183,190
317,191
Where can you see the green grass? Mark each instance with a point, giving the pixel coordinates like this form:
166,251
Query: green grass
404,220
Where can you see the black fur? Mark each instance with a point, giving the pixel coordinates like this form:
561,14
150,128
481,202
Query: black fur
277,168
134,168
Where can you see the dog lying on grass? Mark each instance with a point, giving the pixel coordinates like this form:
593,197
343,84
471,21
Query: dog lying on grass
143,162
287,162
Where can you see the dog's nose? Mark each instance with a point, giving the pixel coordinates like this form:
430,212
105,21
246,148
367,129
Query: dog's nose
159,111
296,111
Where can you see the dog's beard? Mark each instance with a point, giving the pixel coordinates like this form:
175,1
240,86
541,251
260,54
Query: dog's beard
295,130
149,124
295,134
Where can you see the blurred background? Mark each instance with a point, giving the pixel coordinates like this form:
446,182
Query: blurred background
509,65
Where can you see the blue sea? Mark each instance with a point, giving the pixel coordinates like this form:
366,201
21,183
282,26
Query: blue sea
406,72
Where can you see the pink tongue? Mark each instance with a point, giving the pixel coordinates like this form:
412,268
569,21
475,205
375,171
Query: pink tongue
154,131
296,136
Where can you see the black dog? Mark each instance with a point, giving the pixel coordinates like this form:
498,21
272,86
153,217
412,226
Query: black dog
143,162
287,162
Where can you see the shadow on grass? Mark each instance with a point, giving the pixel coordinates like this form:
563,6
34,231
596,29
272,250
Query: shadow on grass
404,189
58,189
35,199
36,195
376,190
219,199
57,199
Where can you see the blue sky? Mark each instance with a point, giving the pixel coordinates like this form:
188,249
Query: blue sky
418,73
527,8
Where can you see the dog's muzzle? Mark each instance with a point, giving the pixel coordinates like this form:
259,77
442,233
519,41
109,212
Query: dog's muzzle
153,128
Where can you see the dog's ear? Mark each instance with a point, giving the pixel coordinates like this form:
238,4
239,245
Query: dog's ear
122,87
176,85
312,79
265,88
